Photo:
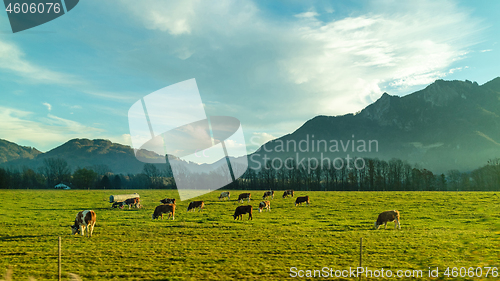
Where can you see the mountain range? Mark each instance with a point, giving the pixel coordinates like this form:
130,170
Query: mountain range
448,125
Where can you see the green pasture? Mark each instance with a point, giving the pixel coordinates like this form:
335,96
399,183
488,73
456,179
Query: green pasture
438,229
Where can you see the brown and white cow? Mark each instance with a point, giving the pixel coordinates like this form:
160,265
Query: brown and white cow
244,196
164,209
168,201
196,204
264,205
388,216
224,194
240,210
268,194
84,220
118,205
132,202
287,193
301,200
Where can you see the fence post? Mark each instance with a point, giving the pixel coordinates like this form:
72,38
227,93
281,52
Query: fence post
59,267
360,254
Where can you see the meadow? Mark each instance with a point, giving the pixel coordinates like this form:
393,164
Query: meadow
438,229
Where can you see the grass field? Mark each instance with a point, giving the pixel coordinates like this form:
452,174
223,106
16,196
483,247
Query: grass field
438,229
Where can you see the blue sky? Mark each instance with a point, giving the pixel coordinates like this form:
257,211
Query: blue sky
271,64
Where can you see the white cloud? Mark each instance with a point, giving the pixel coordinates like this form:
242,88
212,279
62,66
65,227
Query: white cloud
49,131
309,14
261,138
49,107
174,17
12,60
303,64
346,62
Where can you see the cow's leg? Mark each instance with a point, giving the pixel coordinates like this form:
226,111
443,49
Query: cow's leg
396,224
92,229
385,225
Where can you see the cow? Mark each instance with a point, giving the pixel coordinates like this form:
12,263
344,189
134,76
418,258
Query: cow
264,205
164,209
268,194
244,196
117,205
388,216
225,194
301,200
196,204
168,201
84,220
240,210
132,201
288,192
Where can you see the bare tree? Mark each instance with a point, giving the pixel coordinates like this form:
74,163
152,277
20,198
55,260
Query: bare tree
56,170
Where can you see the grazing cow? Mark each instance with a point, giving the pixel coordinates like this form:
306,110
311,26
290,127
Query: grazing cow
132,201
164,209
264,205
196,204
225,194
84,220
388,216
288,192
117,204
168,201
268,194
244,196
240,210
301,200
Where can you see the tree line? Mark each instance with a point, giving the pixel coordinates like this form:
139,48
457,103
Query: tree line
376,175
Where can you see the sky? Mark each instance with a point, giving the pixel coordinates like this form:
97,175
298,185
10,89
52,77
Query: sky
271,64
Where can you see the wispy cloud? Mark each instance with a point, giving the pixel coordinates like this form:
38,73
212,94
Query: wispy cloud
48,131
13,60
309,14
348,61
49,107
342,64
117,96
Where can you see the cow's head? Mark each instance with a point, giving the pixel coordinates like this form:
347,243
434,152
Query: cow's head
154,217
376,226
74,230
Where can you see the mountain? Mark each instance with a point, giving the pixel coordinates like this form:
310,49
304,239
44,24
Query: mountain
448,125
86,153
10,151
